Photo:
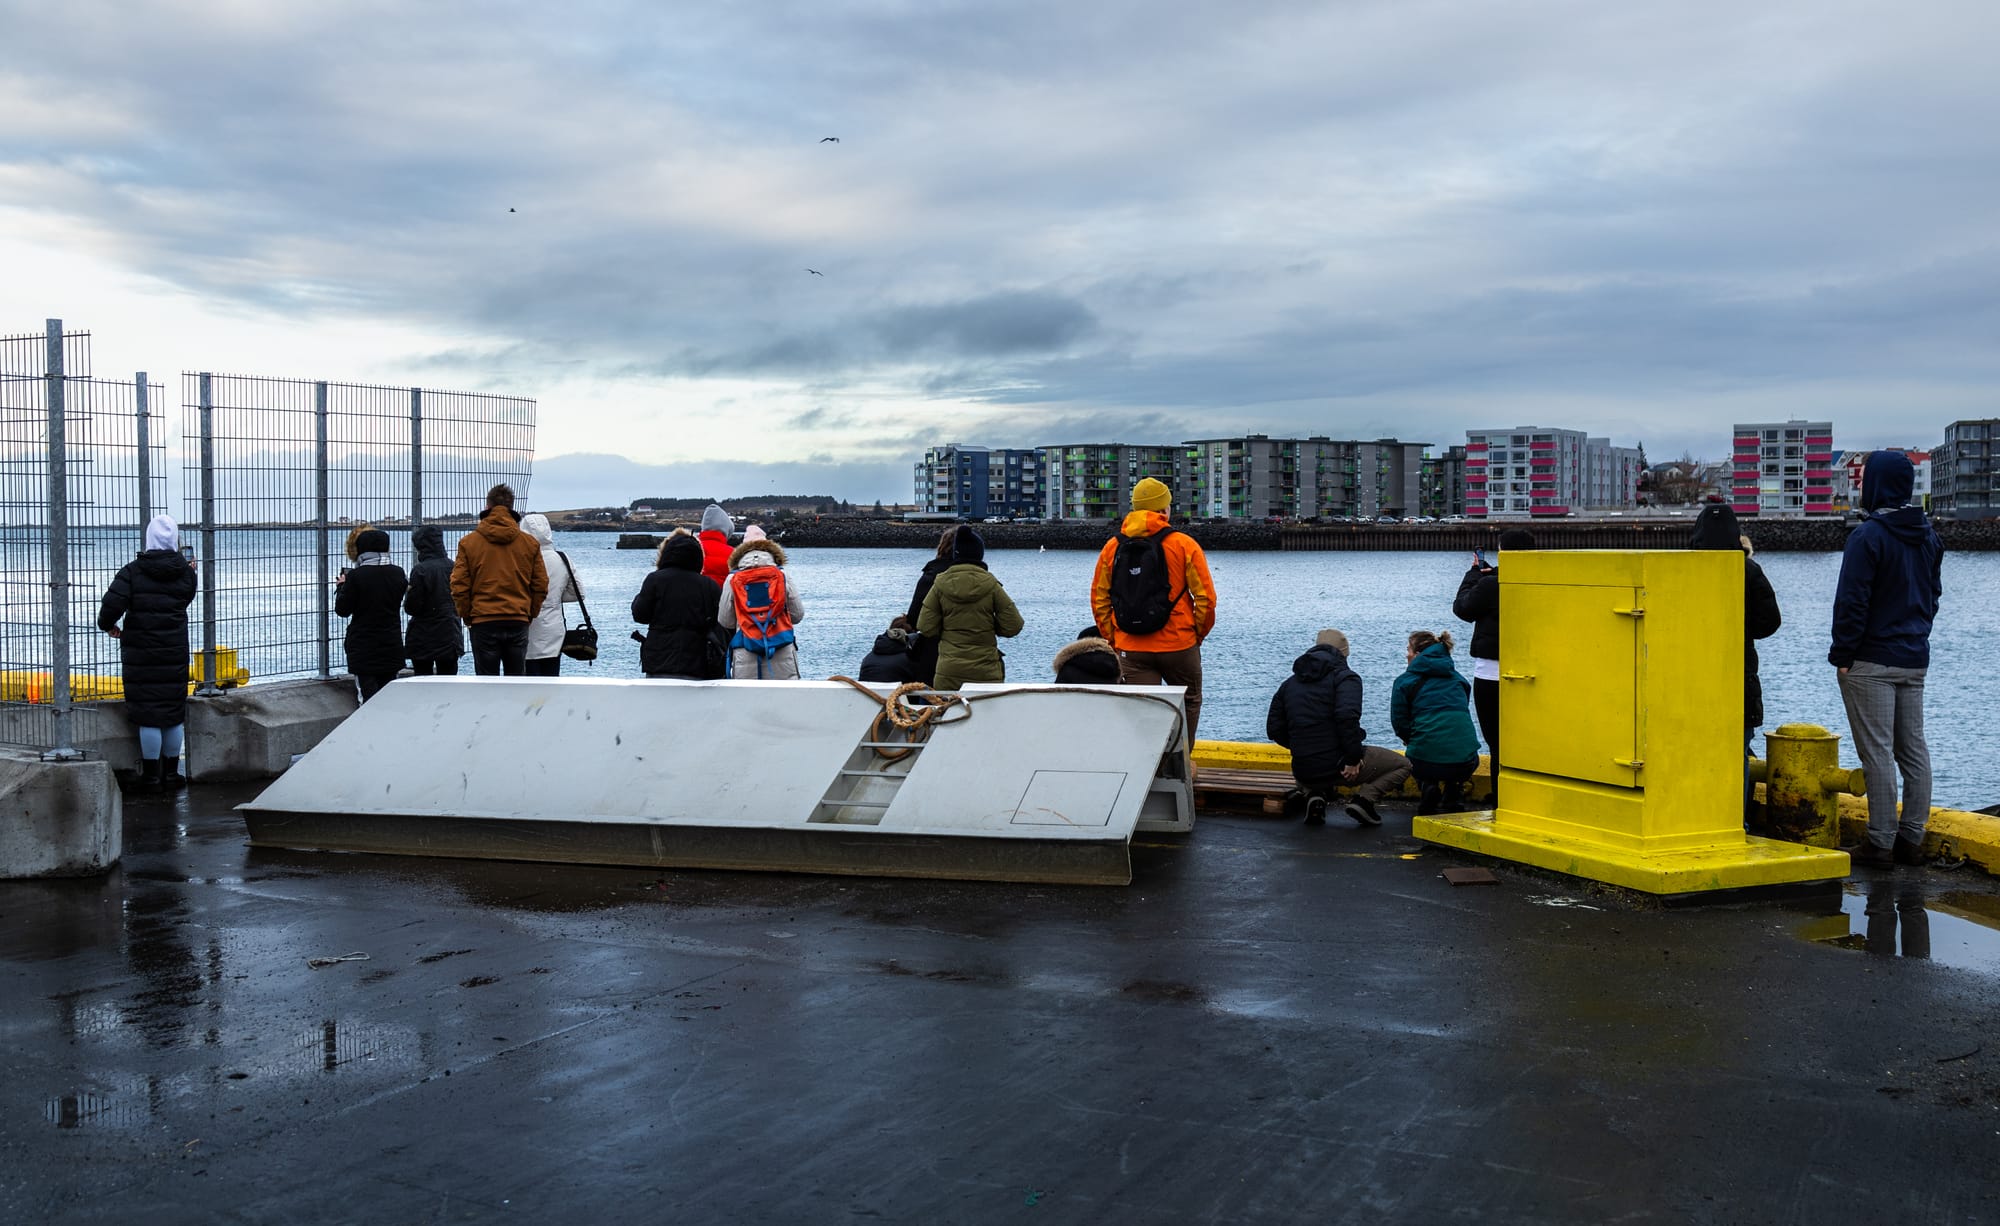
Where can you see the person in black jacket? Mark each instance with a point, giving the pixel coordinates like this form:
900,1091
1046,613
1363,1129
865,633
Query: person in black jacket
1716,528
151,594
1478,602
1089,660
891,661
371,597
1316,714
436,638
677,605
1891,580
924,652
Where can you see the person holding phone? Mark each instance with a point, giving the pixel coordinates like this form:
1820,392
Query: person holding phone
1478,602
145,609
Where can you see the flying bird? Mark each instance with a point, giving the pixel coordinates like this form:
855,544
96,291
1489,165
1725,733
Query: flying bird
824,139
815,272
510,210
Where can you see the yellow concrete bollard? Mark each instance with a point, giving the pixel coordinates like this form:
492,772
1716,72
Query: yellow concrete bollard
1803,780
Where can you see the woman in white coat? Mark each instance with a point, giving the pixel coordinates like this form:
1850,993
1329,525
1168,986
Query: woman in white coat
545,633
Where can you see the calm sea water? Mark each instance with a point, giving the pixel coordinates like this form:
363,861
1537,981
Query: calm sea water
1271,605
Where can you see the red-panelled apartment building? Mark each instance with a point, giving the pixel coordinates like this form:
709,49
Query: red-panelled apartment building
1784,468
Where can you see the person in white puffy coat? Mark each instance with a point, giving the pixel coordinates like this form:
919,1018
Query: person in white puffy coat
545,633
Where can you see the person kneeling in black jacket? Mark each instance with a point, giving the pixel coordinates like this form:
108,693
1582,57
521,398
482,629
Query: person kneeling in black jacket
1316,714
677,605
893,662
1090,660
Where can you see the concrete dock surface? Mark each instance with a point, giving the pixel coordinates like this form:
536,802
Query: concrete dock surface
1274,1023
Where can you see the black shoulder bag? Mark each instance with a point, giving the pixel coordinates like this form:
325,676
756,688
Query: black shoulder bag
579,642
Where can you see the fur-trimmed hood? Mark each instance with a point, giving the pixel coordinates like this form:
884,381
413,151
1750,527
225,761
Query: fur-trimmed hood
1081,647
737,554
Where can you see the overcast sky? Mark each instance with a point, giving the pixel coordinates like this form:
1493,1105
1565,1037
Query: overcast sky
1042,222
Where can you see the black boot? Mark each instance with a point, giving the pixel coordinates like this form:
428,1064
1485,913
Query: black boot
149,775
171,779
1910,853
1427,803
1454,799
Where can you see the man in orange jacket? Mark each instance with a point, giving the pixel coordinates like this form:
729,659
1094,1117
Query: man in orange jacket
1159,604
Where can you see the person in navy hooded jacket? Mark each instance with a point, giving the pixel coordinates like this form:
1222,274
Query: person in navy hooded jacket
1890,583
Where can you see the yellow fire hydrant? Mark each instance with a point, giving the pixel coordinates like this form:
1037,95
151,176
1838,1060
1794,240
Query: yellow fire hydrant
1802,778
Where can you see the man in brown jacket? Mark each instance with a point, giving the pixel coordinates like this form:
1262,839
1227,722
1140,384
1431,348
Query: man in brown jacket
498,584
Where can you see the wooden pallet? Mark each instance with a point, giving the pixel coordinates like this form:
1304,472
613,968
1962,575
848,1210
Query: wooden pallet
1252,790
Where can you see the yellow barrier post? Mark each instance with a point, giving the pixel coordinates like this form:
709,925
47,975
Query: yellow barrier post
1614,665
1803,780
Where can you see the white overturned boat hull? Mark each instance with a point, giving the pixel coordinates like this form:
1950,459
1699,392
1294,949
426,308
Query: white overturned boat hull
1039,784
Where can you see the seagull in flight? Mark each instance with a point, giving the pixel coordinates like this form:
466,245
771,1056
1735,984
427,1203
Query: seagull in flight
815,272
510,210
825,139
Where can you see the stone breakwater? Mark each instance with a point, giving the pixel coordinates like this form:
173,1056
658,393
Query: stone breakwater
1769,536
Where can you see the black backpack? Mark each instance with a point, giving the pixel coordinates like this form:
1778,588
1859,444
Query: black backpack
1142,594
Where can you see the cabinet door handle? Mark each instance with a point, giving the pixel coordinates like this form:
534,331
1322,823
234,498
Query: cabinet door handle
1633,763
1517,676
1630,612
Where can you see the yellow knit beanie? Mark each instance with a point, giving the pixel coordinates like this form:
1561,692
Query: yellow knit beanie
1151,495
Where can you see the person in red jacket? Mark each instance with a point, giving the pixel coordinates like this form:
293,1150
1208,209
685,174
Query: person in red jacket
1153,599
714,538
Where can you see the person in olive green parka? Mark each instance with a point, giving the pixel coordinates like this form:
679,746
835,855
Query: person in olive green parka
966,613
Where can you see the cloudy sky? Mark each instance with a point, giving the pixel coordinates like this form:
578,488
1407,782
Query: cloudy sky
1042,222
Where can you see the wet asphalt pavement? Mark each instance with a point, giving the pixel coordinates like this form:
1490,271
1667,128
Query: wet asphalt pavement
1272,1024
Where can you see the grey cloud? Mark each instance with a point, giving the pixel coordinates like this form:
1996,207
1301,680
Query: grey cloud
1361,214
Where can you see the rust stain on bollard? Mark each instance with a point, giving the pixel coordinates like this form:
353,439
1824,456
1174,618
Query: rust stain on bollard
1802,782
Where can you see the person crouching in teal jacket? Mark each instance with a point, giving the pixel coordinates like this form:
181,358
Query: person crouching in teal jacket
1428,710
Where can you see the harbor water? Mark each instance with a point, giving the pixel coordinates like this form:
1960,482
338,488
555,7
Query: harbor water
1271,605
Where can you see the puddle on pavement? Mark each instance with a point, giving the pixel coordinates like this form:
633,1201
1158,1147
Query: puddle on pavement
1906,916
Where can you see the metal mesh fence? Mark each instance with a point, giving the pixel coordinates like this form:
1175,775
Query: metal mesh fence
279,472
82,469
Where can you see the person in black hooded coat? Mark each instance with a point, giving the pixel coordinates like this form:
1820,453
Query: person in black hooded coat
371,598
151,595
677,604
1716,528
435,638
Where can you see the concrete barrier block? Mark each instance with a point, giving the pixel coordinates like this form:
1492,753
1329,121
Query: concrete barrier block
253,732
58,819
99,729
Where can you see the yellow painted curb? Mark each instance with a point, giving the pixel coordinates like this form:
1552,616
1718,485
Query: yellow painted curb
1950,832
1264,756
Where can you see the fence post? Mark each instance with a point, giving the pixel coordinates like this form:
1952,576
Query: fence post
208,631
322,551
416,463
145,437
54,377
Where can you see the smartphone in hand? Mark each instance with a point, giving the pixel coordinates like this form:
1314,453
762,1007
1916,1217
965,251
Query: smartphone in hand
1479,560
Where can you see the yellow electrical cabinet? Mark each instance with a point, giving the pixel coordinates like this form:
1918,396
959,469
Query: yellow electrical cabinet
1621,728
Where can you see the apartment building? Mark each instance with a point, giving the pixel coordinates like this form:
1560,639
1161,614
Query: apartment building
1444,483
966,482
1783,468
1543,470
1255,476
1965,471
1848,467
1095,480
